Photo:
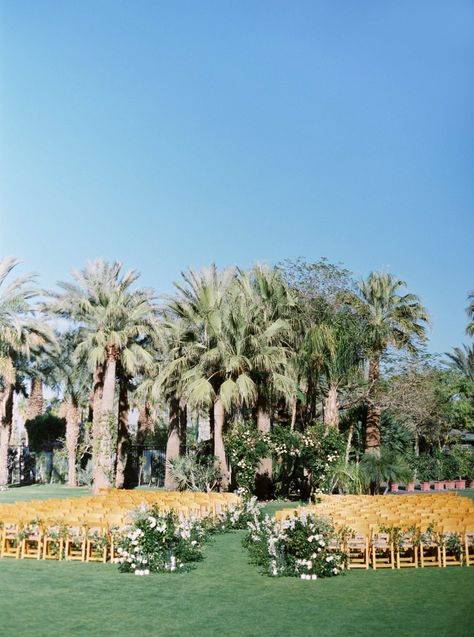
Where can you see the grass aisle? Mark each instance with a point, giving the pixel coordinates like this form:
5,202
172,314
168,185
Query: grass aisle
226,596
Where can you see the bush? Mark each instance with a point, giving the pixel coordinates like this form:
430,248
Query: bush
305,546
194,472
304,460
246,446
160,542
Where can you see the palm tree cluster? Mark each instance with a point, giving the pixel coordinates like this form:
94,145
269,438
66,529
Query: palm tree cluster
228,345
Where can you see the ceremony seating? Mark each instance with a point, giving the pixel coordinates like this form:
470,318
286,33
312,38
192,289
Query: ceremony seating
431,529
84,529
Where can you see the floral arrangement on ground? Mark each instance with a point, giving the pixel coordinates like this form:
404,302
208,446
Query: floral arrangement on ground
163,542
305,546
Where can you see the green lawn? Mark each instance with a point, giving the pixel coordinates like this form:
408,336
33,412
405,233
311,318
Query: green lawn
226,596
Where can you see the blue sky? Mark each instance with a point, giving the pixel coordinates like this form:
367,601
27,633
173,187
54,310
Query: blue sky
168,134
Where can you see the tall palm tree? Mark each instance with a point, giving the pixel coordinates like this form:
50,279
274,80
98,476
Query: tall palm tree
217,373
463,361
20,335
390,319
177,340
41,372
73,379
470,313
113,321
336,349
264,311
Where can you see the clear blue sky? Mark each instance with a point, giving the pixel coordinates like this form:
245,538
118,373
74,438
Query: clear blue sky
168,134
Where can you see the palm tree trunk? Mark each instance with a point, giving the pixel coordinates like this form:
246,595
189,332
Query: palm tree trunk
105,430
293,413
219,450
123,436
143,425
183,423
6,417
372,430
349,442
172,444
72,437
35,401
331,407
263,480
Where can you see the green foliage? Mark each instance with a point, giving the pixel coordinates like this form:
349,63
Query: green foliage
305,546
195,472
304,460
158,542
246,446
457,463
44,432
387,467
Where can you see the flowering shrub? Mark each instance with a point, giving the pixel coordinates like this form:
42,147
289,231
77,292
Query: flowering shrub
307,547
246,446
302,460
238,516
305,460
158,542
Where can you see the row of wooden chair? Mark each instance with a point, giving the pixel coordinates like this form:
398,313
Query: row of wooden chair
84,528
378,550
368,524
55,543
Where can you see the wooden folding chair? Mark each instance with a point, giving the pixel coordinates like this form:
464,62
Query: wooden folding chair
96,544
357,548
406,552
382,551
75,544
10,545
32,541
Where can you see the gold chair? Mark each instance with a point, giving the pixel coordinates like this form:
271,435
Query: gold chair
32,541
75,544
382,551
10,545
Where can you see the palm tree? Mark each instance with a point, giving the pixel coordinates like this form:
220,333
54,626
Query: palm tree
264,315
217,373
462,360
470,313
41,371
336,349
114,322
20,335
73,379
390,319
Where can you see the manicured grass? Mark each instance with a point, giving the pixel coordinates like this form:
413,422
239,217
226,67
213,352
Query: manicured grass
42,492
225,595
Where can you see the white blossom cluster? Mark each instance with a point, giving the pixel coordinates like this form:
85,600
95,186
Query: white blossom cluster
320,558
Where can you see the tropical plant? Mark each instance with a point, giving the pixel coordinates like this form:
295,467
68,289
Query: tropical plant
462,360
390,319
386,467
470,313
217,373
192,472
335,348
20,335
114,322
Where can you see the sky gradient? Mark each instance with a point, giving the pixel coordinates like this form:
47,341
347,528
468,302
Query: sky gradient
175,134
